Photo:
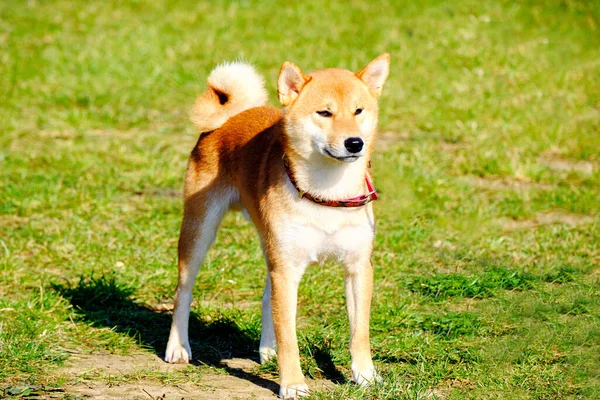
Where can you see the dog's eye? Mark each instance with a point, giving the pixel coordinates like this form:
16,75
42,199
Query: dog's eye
325,113
358,111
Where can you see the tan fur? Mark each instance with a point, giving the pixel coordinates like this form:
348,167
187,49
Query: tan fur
238,165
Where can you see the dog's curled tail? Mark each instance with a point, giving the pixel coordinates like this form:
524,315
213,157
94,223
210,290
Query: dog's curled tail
232,88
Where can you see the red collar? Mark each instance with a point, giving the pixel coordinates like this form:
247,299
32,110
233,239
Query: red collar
358,201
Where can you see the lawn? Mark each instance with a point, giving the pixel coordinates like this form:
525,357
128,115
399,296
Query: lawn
487,257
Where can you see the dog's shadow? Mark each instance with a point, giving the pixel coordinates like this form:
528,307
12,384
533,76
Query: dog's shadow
107,303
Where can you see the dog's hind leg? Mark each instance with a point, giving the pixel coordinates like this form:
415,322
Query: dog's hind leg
268,343
202,216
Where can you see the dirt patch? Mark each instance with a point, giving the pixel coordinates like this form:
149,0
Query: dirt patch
167,306
160,192
138,391
443,392
102,364
240,305
13,221
504,184
57,134
387,138
584,167
553,160
108,377
450,147
544,219
217,387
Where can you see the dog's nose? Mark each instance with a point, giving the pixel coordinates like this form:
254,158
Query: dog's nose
354,144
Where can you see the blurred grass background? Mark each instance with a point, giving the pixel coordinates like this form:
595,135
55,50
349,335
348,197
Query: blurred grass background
488,234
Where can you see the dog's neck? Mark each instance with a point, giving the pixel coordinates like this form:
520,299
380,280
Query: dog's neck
327,178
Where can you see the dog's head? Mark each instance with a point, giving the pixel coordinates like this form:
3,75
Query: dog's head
332,112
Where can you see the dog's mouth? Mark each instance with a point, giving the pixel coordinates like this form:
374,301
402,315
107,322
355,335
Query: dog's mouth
346,159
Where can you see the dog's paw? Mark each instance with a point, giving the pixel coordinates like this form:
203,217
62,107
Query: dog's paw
177,353
266,354
366,377
293,391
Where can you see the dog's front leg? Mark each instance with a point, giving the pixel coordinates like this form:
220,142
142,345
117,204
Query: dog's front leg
359,289
284,295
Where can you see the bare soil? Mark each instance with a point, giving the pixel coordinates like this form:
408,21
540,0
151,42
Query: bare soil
109,376
545,218
505,184
555,160
386,139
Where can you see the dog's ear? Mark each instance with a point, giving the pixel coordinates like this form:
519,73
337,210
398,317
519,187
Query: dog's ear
375,74
290,83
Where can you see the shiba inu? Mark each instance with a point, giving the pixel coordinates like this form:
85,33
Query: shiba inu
301,175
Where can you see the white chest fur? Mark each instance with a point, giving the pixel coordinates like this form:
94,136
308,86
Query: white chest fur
314,233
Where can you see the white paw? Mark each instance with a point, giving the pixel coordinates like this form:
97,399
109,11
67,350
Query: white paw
366,377
266,354
176,353
293,391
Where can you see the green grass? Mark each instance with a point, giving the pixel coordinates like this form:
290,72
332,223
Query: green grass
488,238
457,285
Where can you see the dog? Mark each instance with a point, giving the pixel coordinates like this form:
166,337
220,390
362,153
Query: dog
301,175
